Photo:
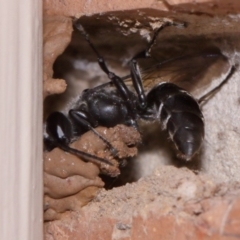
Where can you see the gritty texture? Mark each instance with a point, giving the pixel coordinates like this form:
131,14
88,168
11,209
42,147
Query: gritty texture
170,204
81,7
70,183
167,202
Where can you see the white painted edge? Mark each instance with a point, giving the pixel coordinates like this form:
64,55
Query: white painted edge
21,120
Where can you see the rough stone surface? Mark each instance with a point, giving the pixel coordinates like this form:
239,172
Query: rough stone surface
81,7
171,204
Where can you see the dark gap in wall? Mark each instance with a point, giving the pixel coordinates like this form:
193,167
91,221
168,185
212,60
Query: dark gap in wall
78,66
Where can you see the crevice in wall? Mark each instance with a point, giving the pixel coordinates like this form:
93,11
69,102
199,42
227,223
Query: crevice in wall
118,36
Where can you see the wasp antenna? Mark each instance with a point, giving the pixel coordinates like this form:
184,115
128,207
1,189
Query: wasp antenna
78,26
81,29
113,150
85,156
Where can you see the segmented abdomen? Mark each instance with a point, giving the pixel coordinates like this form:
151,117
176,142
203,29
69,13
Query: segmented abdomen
180,114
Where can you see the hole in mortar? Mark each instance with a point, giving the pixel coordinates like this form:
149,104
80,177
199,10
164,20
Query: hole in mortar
118,44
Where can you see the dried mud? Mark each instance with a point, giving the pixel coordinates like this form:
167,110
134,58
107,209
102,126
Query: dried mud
169,195
171,203
70,183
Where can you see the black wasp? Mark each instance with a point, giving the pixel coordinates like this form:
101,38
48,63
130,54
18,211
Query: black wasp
159,93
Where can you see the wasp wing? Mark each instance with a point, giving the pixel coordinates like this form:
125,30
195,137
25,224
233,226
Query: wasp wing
197,73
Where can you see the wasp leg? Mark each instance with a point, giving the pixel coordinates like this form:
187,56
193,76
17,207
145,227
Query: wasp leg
81,118
137,83
147,52
203,99
135,72
60,133
116,80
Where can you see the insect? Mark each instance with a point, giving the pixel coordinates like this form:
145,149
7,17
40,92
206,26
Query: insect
163,93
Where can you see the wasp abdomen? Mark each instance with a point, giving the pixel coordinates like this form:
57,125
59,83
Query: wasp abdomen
180,114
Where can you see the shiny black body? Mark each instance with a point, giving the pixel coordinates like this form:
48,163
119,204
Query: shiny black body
114,103
178,113
104,107
174,109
